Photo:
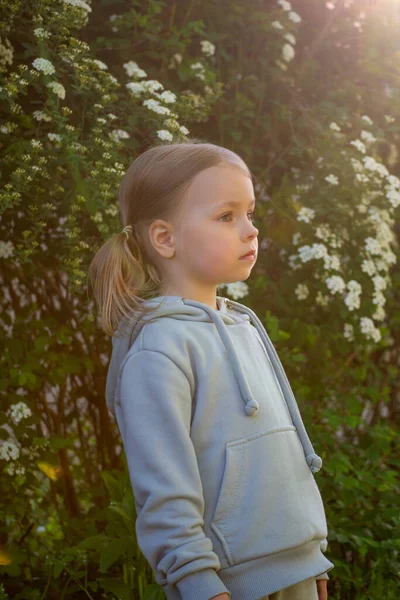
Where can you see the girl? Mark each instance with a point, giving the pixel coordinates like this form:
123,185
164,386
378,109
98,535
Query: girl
219,460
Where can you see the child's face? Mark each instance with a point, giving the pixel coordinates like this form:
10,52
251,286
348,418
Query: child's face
211,236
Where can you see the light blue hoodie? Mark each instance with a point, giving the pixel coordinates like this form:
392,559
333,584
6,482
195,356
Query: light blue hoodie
221,466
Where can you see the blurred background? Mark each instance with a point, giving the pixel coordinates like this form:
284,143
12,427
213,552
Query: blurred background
308,94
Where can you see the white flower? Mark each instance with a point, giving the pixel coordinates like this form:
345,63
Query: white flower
332,179
335,284
19,411
200,70
163,134
332,262
321,299
237,290
367,137
288,52
296,238
352,301
135,88
57,88
380,283
290,38
54,137
132,69
354,286
306,214
373,246
207,48
368,266
152,85
334,127
102,66
389,119
168,97
302,291
41,116
155,106
42,64
184,130
368,328
119,134
359,145
394,197
79,3
6,249
277,25
40,33
285,5
293,16
8,451
348,332
367,119
372,165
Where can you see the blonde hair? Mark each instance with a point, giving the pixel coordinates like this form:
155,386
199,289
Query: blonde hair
123,272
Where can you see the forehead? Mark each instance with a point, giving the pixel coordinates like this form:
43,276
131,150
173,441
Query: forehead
217,184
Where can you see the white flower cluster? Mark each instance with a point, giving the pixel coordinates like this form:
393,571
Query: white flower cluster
6,249
19,411
8,451
41,33
155,106
57,88
302,292
287,7
348,332
369,330
6,53
154,87
132,69
98,63
332,179
352,298
44,65
199,70
165,135
119,134
236,290
39,115
79,4
207,48
306,214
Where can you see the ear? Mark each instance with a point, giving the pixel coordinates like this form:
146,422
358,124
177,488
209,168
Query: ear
161,236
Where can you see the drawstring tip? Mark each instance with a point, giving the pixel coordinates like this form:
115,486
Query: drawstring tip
314,462
252,407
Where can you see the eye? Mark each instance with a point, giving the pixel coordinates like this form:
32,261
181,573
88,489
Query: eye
252,217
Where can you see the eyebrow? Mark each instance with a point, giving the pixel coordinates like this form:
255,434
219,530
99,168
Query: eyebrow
233,203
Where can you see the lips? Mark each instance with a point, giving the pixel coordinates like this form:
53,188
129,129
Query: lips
251,253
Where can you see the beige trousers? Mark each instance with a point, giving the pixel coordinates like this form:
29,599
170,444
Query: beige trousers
303,590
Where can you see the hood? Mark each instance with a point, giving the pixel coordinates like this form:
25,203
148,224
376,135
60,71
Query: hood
229,313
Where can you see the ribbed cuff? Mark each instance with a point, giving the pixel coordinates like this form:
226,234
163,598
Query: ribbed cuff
201,585
322,576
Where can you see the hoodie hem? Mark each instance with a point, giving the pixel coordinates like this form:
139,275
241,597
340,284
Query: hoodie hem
260,577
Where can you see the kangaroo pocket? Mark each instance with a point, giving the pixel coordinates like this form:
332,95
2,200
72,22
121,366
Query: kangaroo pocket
269,500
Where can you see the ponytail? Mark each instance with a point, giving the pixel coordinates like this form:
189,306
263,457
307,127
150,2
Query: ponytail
121,279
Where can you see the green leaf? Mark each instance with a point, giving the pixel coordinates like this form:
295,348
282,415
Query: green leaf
117,587
154,592
112,552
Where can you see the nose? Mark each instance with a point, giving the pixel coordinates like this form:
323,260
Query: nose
252,233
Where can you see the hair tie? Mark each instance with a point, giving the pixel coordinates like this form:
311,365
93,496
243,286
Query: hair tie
126,229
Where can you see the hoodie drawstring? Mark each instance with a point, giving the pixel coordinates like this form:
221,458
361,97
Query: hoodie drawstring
251,405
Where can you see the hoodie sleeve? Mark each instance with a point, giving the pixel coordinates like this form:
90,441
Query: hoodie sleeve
323,546
154,416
